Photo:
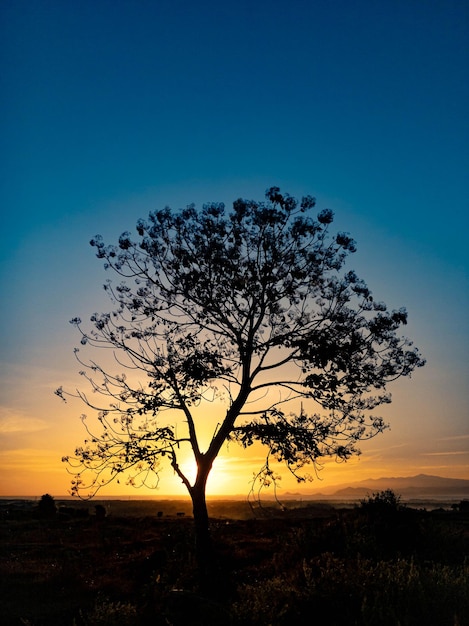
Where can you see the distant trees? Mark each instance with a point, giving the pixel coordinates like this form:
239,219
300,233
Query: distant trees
250,311
382,501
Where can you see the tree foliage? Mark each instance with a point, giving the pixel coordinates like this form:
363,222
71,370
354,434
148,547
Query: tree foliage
251,307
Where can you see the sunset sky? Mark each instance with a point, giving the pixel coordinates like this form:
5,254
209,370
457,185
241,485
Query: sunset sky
112,109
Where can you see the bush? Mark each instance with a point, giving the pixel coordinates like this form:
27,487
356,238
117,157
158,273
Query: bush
46,506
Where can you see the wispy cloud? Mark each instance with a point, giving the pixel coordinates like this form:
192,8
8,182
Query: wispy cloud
12,422
381,449
32,459
447,453
455,438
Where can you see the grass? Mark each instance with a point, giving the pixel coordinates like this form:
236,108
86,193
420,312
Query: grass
374,565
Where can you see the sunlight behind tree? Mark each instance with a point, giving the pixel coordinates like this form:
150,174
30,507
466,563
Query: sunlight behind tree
250,313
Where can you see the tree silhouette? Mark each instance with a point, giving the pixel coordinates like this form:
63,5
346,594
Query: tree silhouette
248,308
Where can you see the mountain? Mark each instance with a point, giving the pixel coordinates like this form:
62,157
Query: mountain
421,485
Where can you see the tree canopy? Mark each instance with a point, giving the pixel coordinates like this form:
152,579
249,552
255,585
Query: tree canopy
252,306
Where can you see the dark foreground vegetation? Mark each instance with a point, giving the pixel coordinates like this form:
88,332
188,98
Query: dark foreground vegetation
376,564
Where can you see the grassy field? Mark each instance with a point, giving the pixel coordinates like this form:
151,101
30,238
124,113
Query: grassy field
376,564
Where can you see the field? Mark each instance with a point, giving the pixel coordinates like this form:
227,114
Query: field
132,563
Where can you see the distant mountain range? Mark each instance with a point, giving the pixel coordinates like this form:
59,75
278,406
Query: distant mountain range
418,486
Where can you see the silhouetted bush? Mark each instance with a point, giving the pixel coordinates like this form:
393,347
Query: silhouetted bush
100,511
46,506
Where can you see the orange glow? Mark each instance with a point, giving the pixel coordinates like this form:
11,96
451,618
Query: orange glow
35,438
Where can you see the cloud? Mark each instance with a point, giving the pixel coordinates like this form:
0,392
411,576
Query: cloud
30,459
448,453
454,438
12,422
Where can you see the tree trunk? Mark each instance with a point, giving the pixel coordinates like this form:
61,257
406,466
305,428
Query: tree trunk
201,522
203,543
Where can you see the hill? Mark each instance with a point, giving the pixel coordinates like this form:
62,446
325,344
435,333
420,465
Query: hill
422,485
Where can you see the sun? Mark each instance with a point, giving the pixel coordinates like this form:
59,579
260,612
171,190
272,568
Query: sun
222,481
221,478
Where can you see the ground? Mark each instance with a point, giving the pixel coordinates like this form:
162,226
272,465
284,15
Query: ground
136,566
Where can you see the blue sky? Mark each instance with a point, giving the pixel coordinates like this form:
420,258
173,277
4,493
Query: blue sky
111,109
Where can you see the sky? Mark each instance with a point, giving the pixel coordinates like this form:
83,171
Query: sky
112,109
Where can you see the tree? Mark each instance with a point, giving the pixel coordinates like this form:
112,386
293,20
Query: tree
383,503
251,308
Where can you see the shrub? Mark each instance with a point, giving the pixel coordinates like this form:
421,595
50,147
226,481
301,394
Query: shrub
46,506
